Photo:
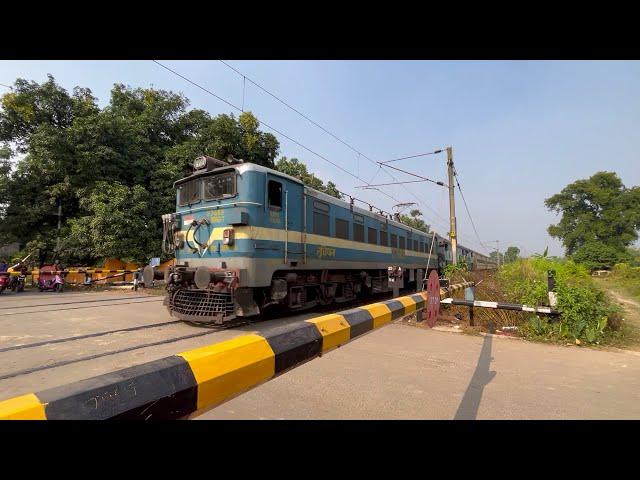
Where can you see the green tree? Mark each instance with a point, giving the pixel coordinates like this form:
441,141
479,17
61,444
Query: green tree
597,255
511,254
297,169
119,222
414,220
111,169
494,256
599,216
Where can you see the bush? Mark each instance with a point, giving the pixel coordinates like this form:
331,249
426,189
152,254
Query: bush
451,271
596,255
584,306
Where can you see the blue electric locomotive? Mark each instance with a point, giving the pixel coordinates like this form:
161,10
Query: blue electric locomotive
248,238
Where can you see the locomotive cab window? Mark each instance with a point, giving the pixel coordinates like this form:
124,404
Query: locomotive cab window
189,192
275,194
220,186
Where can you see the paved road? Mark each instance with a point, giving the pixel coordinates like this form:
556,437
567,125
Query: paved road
397,372
136,321
404,372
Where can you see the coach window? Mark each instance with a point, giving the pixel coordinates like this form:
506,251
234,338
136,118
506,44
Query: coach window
384,236
320,218
394,241
402,245
372,236
421,247
415,245
275,194
358,228
342,228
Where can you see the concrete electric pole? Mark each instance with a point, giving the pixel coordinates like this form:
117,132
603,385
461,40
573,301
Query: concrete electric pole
452,208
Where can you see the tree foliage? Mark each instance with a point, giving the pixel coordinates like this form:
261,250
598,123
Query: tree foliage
599,216
297,169
110,169
494,256
595,255
414,220
511,254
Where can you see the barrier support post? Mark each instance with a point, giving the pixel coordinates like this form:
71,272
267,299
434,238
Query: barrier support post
470,294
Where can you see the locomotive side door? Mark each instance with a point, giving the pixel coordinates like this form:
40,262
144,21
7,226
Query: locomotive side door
283,207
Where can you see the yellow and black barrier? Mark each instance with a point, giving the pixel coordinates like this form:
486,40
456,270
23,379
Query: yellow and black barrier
197,380
447,292
82,270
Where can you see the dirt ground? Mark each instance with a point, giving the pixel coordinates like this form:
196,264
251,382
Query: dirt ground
631,309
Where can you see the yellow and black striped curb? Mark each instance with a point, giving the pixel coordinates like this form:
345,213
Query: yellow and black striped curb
196,380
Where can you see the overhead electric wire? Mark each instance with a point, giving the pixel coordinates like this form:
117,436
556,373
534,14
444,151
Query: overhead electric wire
273,128
437,182
300,144
390,183
455,175
412,156
306,117
261,121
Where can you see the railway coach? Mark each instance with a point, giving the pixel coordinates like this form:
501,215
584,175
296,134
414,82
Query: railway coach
247,239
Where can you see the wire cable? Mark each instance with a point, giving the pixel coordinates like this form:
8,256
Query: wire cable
455,176
306,117
261,121
412,156
298,143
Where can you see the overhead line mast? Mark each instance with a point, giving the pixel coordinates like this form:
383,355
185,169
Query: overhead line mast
452,208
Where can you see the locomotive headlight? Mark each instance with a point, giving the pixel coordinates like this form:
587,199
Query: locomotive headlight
200,163
227,236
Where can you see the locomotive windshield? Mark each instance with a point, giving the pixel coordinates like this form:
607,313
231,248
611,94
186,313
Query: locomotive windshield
189,192
215,187
220,186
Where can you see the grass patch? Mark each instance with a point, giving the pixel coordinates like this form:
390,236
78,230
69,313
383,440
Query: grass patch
588,315
627,279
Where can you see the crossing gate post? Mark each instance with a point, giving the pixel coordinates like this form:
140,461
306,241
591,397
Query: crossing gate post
470,294
551,288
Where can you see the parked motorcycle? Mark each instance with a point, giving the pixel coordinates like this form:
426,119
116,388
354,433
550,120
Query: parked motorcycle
50,278
17,285
16,282
5,280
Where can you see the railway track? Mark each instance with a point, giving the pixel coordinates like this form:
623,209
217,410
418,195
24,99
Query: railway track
21,360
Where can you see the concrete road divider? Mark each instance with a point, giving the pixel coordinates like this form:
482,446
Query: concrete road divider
197,380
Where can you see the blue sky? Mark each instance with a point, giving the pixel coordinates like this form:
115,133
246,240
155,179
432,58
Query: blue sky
521,130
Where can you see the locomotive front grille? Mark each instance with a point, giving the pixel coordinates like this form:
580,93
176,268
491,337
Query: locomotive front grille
202,305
